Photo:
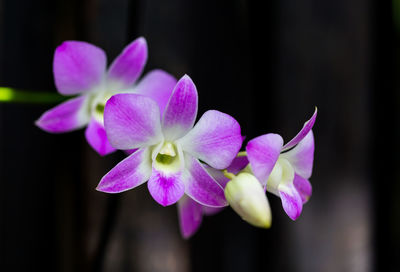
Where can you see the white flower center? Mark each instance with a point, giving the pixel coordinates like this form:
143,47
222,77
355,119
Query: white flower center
282,173
98,103
98,98
168,149
168,159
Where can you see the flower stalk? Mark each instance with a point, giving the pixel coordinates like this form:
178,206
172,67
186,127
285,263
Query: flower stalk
228,174
11,95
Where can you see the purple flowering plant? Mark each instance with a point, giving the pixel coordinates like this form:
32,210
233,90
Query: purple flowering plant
284,170
281,170
79,68
169,147
198,166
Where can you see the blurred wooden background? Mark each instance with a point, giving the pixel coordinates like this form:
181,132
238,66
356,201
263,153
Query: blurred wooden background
266,66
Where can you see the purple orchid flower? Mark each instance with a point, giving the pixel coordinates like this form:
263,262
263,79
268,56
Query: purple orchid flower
80,69
284,170
169,147
191,212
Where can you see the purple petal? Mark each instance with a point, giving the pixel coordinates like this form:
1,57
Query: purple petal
129,173
78,67
200,186
303,132
158,85
291,201
302,156
181,110
238,164
96,136
303,187
70,115
128,66
166,188
263,152
215,139
190,216
210,210
132,121
130,151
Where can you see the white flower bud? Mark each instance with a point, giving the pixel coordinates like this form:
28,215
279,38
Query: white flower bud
247,198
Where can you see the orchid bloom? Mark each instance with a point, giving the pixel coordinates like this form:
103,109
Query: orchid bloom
80,69
169,147
284,170
191,213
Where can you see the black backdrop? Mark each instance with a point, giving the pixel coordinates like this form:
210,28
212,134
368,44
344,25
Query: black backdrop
268,66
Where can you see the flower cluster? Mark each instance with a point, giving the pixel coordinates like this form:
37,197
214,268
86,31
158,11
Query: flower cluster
198,166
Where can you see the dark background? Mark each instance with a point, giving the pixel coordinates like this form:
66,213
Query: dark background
267,64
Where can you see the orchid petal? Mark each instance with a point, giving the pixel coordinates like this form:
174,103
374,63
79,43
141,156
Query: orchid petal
70,115
128,66
211,211
200,185
158,85
132,121
190,216
303,132
96,136
129,173
130,151
302,156
166,187
180,113
263,152
215,139
78,67
238,164
303,187
291,200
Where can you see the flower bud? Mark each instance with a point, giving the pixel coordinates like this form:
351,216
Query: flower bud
247,198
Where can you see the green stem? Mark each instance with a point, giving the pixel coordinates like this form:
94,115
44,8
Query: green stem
242,154
11,95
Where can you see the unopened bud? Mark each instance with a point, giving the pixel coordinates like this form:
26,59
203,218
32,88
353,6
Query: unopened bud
247,198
